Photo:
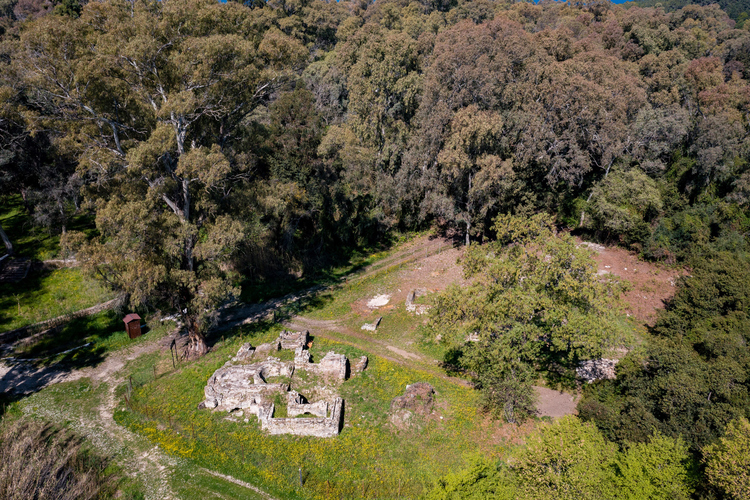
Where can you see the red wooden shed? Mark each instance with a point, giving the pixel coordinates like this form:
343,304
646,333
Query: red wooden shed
133,325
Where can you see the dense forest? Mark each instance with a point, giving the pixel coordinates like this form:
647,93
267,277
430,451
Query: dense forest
211,143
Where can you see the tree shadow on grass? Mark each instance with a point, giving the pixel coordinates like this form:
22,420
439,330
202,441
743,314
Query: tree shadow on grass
50,357
10,293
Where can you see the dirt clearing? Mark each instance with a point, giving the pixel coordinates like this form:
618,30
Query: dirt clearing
653,284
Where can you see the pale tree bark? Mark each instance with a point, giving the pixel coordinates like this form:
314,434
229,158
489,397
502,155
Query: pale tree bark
6,241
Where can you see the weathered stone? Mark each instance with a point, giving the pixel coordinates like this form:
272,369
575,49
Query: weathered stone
298,405
266,349
597,369
418,309
334,366
293,340
418,398
245,353
272,368
317,427
301,357
232,387
245,388
360,365
372,326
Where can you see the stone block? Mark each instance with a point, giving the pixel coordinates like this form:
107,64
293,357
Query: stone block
317,427
360,365
293,340
334,366
245,353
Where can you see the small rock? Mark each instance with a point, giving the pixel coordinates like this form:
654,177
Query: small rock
372,326
360,365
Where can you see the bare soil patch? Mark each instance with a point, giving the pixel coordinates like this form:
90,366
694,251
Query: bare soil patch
555,404
653,284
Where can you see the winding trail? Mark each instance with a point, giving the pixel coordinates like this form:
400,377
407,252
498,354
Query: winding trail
134,452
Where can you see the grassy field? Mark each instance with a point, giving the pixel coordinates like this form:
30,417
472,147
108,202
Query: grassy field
370,459
75,405
32,241
47,294
155,404
92,337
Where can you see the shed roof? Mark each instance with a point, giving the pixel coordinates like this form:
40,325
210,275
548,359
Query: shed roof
131,317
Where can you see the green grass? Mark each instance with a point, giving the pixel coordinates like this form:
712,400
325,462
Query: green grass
104,332
47,294
32,241
353,261
190,483
370,459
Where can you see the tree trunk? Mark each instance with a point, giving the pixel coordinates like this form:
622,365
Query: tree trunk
469,207
197,346
6,240
189,244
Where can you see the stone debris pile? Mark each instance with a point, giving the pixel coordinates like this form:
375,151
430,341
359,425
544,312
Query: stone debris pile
243,384
597,369
418,399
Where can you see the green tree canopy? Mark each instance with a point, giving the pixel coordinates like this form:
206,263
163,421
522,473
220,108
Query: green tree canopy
535,300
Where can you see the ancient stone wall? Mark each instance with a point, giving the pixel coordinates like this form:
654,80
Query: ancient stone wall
234,386
334,365
245,387
298,405
294,340
317,427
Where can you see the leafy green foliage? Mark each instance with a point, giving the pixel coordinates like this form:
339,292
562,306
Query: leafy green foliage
692,378
571,459
727,460
45,295
536,304
698,231
623,204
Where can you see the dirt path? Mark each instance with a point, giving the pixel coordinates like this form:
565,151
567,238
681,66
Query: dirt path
136,454
551,403
382,349
248,314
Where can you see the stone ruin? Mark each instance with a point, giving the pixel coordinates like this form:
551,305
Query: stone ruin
246,387
418,400
418,309
597,369
372,326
